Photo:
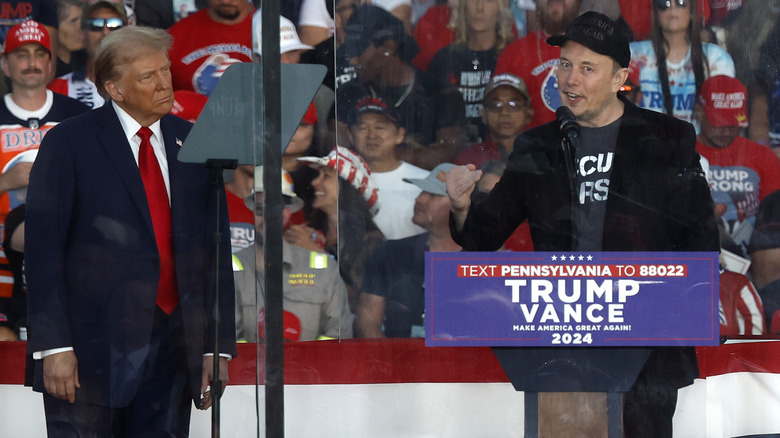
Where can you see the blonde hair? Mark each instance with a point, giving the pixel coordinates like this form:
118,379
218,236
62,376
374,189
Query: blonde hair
504,34
124,46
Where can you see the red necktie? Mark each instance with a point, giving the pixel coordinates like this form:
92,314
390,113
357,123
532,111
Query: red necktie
157,196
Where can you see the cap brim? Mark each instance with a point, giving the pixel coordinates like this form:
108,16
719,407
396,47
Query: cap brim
384,114
427,186
719,119
297,46
295,203
523,93
314,161
557,40
354,46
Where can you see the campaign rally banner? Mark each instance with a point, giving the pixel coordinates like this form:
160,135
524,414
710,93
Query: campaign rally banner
546,299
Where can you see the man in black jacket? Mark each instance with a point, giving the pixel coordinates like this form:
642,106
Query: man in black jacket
634,183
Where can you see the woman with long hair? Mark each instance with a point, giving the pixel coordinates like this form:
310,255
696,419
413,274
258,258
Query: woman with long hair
483,29
341,222
675,63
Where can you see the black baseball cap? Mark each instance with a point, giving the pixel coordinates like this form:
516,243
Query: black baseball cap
373,25
598,33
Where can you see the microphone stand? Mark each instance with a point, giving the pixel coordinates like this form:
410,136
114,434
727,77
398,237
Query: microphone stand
216,167
570,141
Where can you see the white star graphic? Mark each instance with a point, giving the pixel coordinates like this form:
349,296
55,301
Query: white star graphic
580,258
571,257
554,258
590,257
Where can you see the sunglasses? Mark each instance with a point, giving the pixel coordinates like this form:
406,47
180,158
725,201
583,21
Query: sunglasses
663,5
97,24
512,106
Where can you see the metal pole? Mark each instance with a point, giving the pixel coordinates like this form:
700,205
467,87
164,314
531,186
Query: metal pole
272,153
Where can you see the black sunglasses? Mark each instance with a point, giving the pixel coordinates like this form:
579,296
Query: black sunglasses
663,5
97,24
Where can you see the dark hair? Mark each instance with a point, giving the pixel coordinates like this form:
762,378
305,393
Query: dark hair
698,60
349,201
62,7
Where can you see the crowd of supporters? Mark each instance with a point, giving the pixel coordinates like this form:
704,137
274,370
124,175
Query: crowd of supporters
414,85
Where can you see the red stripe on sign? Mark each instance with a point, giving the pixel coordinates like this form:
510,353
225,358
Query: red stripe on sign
12,356
357,361
755,357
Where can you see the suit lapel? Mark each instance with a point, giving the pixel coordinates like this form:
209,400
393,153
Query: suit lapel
172,147
112,139
173,137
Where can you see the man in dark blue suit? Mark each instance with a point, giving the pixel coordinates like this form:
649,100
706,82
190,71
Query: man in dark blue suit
120,257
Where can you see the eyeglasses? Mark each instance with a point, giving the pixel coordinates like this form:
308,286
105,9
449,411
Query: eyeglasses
663,5
97,24
512,106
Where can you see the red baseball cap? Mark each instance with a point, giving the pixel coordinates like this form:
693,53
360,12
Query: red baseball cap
26,32
724,100
291,325
310,118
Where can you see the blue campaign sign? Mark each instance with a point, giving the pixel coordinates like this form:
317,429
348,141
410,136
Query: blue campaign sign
549,299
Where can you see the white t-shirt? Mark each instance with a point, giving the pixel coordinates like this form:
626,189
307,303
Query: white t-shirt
397,198
315,13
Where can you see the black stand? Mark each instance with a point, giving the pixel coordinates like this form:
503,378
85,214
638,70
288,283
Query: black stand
570,144
610,370
234,128
216,167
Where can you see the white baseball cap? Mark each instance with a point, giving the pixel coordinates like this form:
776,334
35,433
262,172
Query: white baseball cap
288,36
288,188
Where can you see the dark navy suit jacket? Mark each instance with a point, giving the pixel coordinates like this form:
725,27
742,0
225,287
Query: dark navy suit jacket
92,264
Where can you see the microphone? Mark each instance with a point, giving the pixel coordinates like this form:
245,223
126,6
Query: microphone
570,129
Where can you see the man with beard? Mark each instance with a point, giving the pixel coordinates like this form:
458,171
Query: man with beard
535,61
209,41
742,173
30,110
634,183
26,115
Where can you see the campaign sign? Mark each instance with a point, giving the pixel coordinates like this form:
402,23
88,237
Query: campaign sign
549,299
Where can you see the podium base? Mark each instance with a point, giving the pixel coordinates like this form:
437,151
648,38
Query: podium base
573,414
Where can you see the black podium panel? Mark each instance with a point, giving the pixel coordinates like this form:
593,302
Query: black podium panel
607,369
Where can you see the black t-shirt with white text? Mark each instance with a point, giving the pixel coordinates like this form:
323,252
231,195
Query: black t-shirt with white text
593,164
